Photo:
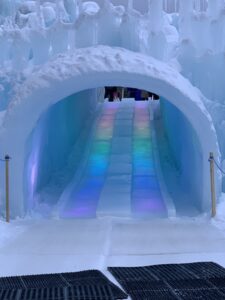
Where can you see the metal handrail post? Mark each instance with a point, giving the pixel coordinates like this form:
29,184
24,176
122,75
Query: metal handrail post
7,158
212,183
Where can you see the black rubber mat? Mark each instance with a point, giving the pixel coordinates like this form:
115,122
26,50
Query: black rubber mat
189,284
175,281
200,294
153,295
218,282
170,272
66,293
205,270
85,285
132,273
144,285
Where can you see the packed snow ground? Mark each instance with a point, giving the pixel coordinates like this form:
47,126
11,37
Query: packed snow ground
46,246
49,246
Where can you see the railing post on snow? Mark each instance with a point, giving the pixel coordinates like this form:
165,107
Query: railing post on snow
7,158
212,183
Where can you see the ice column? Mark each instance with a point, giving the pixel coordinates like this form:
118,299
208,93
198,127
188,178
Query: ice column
109,22
155,14
59,7
156,40
8,8
198,5
73,8
214,7
20,50
186,11
79,7
217,25
130,5
38,11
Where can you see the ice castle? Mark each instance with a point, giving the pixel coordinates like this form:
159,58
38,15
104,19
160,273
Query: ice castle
74,154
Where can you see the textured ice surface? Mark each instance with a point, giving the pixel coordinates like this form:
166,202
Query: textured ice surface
190,40
117,188
70,73
36,247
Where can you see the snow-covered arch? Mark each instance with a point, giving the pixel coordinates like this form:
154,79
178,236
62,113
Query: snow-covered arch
90,68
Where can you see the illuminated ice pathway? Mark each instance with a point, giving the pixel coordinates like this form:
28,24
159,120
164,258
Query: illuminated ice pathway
119,177
81,198
146,198
115,198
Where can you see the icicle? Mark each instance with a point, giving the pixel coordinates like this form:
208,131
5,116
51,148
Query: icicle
196,5
38,11
57,10
165,5
185,13
155,14
186,7
214,7
130,5
13,12
79,7
149,6
203,5
175,6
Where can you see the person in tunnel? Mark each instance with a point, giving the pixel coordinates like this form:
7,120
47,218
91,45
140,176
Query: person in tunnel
137,95
153,96
110,94
144,95
114,94
119,93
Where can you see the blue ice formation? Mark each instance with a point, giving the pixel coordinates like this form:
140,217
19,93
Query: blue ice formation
55,59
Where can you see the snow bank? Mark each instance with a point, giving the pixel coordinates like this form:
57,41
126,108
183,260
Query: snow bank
219,220
9,232
56,246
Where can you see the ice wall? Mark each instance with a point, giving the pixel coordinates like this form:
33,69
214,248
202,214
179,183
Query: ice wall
190,40
40,30
202,61
185,156
55,148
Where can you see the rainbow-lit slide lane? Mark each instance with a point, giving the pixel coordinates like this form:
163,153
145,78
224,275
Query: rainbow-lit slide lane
119,177
81,198
115,199
146,198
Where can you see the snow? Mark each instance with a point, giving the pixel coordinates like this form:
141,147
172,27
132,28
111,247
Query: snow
103,58
219,220
90,8
34,247
54,57
10,232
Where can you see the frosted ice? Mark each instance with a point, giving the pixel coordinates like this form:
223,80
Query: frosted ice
174,48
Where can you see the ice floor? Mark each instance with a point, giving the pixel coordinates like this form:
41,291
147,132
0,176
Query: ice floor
119,177
45,246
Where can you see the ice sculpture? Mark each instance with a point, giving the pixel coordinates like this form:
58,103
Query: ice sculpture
187,35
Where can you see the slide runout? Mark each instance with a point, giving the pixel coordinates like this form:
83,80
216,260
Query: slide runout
147,200
115,198
82,198
119,178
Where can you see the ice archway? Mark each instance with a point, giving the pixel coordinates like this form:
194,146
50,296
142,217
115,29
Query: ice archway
90,68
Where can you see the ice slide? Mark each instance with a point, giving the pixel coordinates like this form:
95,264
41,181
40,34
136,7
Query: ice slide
119,176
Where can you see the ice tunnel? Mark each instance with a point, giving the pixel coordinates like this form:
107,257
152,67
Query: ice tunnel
65,91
